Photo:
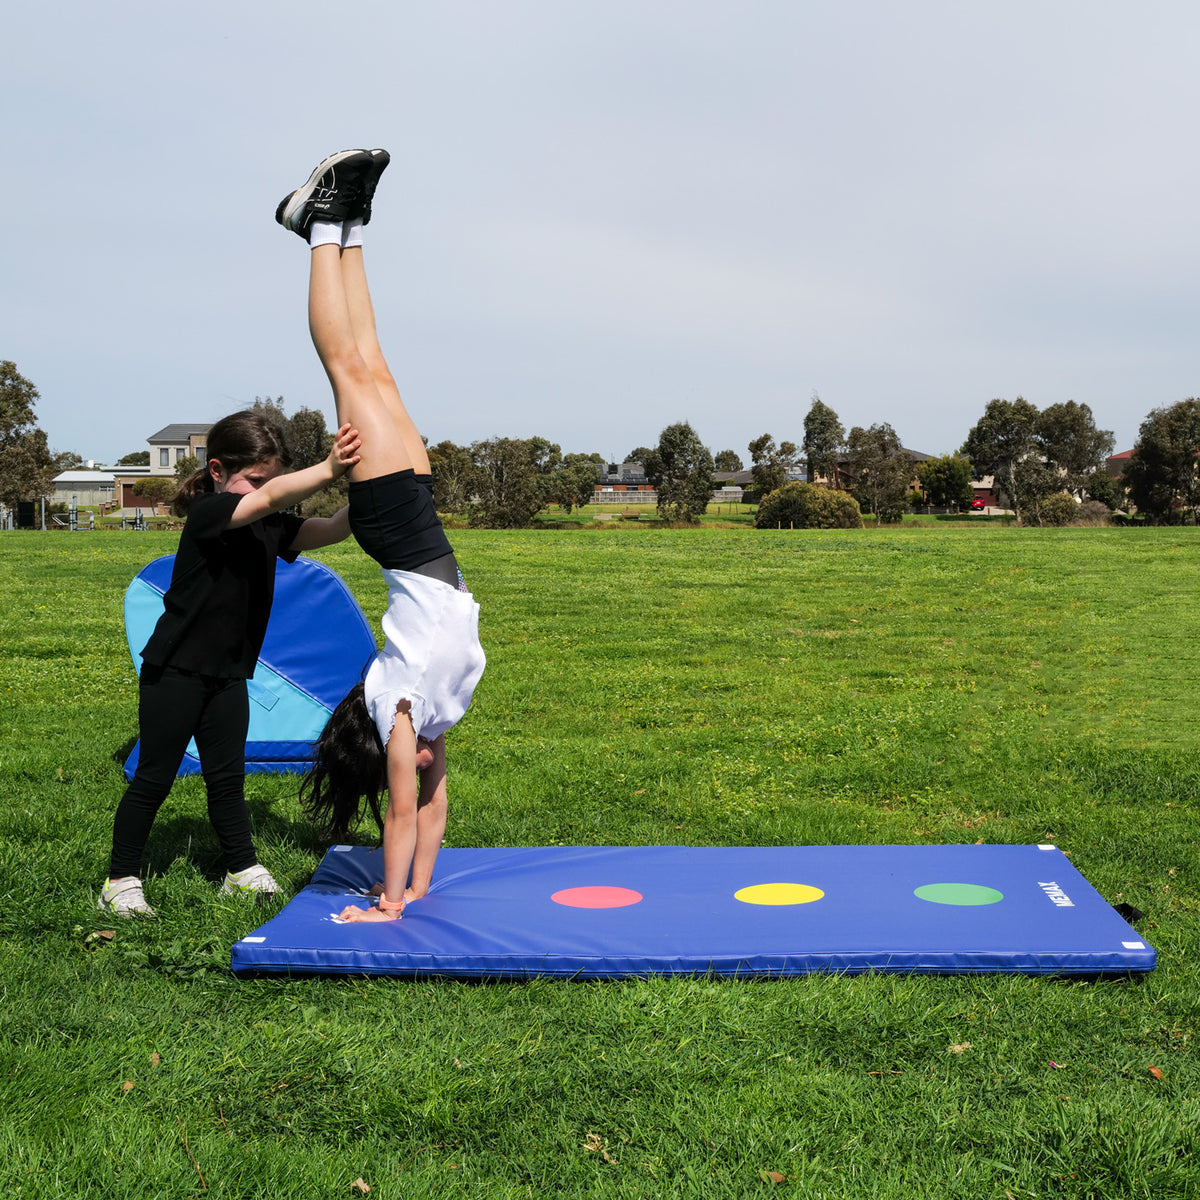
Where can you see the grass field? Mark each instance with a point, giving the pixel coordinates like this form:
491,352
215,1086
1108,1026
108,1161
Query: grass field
709,687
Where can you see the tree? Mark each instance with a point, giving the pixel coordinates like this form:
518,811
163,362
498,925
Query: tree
453,472
545,456
308,442
186,466
138,458
567,481
947,480
771,463
155,489
1037,482
823,439
503,483
307,438
1101,487
1069,441
28,467
507,493
271,409
728,460
884,470
639,455
574,482
1000,441
328,501
1163,474
304,431
681,471
18,398
1058,509
804,506
27,464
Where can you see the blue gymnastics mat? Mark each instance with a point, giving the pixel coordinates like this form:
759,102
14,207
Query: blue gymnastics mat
611,912
317,647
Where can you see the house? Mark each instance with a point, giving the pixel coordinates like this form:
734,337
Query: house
847,477
622,474
624,483
1115,464
730,486
986,491
84,487
174,442
125,478
104,488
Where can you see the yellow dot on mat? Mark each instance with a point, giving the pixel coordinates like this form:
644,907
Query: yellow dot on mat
778,893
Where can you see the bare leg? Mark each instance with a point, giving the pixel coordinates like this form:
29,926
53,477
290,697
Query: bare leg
362,320
355,391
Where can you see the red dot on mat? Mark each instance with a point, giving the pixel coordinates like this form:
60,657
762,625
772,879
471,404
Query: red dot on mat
597,897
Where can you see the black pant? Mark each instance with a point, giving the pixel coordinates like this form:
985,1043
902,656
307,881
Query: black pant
173,707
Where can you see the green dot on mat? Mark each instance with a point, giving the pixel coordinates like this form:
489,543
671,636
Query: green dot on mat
958,893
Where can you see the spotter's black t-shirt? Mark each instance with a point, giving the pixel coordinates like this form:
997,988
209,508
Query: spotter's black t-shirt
216,609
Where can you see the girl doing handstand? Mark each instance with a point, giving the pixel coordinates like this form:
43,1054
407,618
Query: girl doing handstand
390,730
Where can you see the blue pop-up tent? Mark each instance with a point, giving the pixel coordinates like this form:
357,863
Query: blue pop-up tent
317,647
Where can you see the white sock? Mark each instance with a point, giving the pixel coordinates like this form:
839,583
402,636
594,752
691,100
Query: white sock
352,232
325,233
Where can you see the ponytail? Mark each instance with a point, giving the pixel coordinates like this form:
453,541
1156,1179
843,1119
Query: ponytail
197,482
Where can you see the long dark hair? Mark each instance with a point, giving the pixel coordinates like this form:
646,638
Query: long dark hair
239,440
349,764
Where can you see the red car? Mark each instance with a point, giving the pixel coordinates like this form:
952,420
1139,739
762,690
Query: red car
977,504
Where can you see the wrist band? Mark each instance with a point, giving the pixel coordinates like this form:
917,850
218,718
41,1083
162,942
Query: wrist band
390,905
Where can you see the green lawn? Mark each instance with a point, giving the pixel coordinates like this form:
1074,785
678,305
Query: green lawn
928,683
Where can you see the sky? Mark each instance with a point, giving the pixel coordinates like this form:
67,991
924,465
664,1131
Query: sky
605,217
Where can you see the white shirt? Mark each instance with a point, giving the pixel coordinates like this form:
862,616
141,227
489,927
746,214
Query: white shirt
431,658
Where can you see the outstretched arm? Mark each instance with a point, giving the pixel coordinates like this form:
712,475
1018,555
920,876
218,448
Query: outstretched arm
286,490
399,822
431,820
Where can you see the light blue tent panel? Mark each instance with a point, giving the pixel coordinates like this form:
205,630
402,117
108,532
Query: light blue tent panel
317,647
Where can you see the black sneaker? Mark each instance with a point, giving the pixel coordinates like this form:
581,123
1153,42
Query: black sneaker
333,192
379,162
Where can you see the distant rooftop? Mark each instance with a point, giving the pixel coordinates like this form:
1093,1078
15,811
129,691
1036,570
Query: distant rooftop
178,433
84,477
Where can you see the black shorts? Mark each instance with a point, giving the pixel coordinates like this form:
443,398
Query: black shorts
393,518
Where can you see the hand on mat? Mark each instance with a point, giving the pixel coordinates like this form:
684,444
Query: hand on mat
353,913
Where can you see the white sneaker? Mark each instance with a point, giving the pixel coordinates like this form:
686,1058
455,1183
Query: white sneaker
124,898
253,879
